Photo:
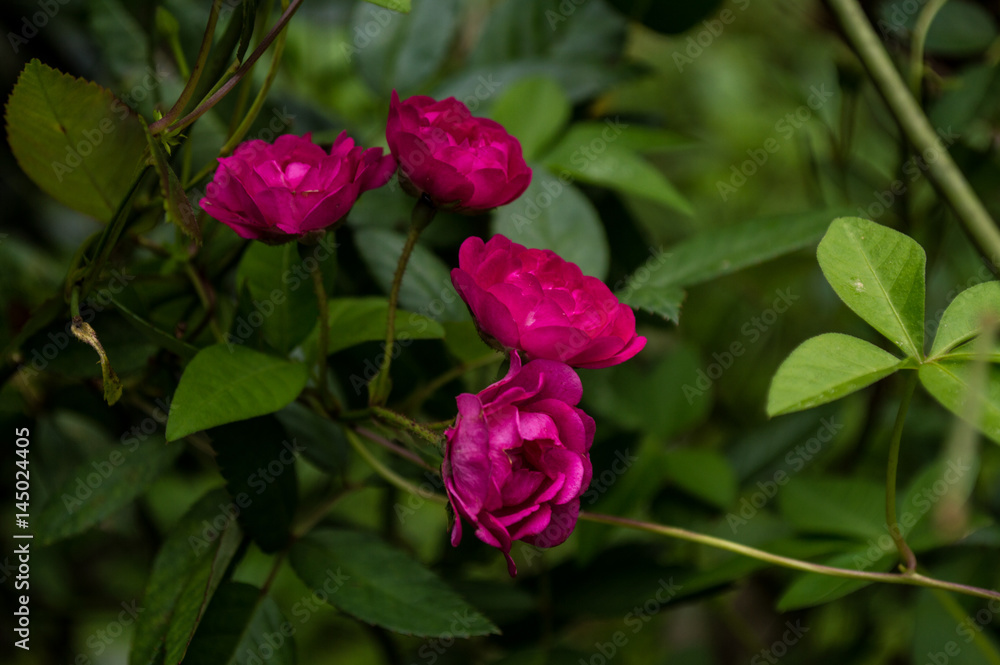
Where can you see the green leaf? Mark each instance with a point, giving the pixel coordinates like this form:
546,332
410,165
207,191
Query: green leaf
961,29
154,334
383,586
220,544
240,627
426,287
172,567
826,368
851,508
321,441
105,484
879,274
717,252
258,462
74,139
225,383
557,216
970,390
534,110
811,589
282,291
401,51
664,302
703,473
591,154
395,5
965,315
357,320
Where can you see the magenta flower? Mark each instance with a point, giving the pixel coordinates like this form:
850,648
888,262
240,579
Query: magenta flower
461,162
516,460
276,193
535,301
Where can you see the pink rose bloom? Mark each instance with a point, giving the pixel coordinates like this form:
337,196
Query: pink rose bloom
535,301
464,163
516,460
276,193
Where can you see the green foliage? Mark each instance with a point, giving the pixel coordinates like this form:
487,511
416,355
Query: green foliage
225,383
383,586
239,625
74,139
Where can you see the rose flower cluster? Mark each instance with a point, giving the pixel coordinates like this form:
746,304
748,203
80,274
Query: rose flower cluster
517,458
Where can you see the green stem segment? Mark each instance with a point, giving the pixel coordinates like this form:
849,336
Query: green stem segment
199,67
911,579
943,171
905,553
388,474
323,343
423,214
401,422
920,29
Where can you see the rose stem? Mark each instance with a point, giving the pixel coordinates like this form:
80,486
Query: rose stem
905,553
423,214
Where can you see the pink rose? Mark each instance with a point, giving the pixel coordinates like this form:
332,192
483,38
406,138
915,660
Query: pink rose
516,460
276,193
535,301
461,162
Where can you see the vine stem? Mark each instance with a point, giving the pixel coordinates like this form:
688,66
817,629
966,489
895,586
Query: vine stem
920,29
905,553
324,332
241,71
910,579
943,171
199,67
388,474
401,422
420,218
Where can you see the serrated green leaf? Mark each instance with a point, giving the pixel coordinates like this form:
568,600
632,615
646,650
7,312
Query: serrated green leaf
221,544
965,315
225,383
74,139
664,302
975,399
172,567
556,216
257,459
826,368
102,486
241,627
879,274
383,586
533,110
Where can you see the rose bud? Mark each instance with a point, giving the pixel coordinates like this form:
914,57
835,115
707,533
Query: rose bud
536,301
280,192
460,162
516,461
